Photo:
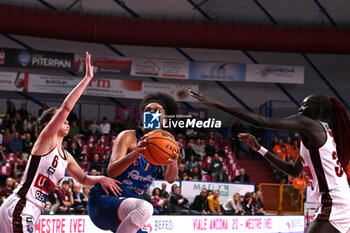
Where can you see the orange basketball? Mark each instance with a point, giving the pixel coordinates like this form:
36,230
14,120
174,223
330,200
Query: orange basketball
160,147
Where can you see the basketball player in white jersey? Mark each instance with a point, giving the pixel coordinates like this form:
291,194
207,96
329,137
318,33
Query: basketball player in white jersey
324,154
46,167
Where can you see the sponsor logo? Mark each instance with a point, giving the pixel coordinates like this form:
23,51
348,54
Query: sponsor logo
135,175
163,225
148,68
222,72
40,196
29,220
224,189
40,60
151,120
297,223
24,58
101,83
266,71
51,171
147,228
30,229
193,123
44,183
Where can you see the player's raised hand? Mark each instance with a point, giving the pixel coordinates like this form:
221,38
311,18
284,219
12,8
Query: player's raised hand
89,69
202,99
110,184
250,140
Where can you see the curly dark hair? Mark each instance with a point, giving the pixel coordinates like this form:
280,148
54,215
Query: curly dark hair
45,117
171,107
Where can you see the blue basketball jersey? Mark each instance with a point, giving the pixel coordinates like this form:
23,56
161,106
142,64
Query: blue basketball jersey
138,177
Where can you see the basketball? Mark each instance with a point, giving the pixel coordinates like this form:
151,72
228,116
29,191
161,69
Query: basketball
160,147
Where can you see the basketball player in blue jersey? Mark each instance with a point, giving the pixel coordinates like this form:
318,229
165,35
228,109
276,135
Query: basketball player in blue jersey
324,154
128,213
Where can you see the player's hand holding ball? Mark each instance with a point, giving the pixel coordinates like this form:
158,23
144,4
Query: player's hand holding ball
159,147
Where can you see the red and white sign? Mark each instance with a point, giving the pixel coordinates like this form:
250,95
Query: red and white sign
115,65
66,224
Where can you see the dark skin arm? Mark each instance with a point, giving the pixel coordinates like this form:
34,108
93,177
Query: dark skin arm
293,170
310,130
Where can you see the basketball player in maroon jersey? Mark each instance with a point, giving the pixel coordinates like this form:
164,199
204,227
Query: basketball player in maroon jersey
47,166
324,154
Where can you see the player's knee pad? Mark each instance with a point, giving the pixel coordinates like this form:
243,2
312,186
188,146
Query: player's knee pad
142,213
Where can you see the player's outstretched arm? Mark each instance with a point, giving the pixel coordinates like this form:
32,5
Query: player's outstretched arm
292,123
68,104
107,183
293,170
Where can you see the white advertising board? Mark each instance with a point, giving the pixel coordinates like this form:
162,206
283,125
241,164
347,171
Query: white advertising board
178,224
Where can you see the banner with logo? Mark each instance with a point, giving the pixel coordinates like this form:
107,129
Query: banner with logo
104,65
227,190
275,73
160,68
108,87
51,84
178,224
214,224
115,88
208,71
13,81
36,59
97,87
178,91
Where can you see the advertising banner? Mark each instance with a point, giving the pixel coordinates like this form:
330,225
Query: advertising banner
13,81
51,84
207,71
178,91
108,87
214,224
104,65
97,87
160,68
36,59
227,190
178,224
275,73
115,88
